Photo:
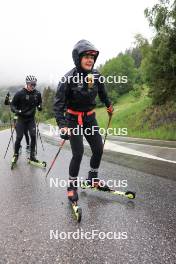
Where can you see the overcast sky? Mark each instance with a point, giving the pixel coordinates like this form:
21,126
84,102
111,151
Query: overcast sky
37,36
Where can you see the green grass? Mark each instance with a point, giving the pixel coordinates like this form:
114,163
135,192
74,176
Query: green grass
51,121
126,112
4,127
139,117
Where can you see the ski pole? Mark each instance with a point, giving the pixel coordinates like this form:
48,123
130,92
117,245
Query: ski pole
52,163
39,135
36,138
7,102
109,121
9,143
36,147
11,129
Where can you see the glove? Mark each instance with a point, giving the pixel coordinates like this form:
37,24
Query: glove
18,112
39,107
7,99
110,110
65,133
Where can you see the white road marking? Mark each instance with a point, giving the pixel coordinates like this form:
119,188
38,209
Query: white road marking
117,148
143,144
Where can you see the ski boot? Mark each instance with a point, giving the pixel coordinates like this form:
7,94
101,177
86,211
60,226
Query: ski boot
72,192
14,161
33,158
94,182
33,161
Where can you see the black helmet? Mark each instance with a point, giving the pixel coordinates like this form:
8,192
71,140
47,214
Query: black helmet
83,47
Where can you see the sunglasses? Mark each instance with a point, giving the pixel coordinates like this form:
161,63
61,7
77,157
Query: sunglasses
91,52
33,84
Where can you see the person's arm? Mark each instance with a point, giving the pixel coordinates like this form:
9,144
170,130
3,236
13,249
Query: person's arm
102,90
39,106
15,104
60,104
104,96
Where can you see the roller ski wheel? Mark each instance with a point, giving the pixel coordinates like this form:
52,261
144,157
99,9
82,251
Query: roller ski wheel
72,195
44,164
14,161
37,163
130,195
77,211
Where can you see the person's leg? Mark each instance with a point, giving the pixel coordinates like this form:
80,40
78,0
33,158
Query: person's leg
20,125
32,131
26,137
95,141
76,142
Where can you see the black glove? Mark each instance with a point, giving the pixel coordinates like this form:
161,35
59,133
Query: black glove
7,99
39,107
18,112
64,135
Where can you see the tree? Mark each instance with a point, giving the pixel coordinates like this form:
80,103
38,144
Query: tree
122,65
48,99
159,65
136,52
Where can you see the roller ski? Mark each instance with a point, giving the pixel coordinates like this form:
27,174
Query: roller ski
14,161
73,199
94,183
33,161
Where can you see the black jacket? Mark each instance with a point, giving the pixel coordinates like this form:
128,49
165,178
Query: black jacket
24,103
78,96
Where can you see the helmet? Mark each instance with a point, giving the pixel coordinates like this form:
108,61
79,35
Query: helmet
31,79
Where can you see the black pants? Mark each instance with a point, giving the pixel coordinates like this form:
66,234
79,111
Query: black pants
76,142
26,137
21,127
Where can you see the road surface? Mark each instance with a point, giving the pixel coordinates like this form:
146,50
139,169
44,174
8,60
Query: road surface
31,210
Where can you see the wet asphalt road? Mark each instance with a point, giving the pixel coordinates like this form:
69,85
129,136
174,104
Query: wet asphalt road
29,209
